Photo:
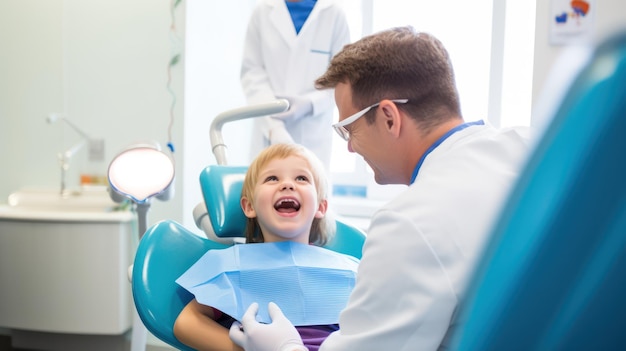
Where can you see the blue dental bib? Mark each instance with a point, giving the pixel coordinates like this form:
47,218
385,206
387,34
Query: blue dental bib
310,284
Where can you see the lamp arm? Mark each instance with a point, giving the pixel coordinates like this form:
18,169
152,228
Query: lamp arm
215,134
53,117
72,150
76,129
142,217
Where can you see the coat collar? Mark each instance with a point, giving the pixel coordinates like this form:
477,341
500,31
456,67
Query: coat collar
281,19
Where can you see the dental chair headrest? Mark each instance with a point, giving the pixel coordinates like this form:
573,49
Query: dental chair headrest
221,216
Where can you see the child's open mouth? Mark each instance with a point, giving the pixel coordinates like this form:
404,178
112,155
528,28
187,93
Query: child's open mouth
287,205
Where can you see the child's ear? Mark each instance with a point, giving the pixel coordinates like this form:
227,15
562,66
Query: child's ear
321,209
246,206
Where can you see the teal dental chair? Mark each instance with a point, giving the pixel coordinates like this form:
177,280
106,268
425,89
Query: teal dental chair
167,249
554,275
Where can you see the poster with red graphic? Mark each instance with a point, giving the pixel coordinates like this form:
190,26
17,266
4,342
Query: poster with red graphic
571,21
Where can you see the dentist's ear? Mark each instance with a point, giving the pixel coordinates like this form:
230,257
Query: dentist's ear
322,208
391,116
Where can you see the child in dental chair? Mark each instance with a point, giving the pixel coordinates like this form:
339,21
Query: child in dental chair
284,198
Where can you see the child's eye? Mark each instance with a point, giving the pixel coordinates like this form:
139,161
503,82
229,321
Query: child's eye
271,179
302,178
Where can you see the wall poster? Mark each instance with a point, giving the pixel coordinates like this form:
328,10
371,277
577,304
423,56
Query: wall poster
571,22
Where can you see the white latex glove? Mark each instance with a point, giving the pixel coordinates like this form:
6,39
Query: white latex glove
298,107
280,335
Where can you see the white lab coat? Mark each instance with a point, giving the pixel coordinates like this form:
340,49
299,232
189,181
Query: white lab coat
421,247
277,62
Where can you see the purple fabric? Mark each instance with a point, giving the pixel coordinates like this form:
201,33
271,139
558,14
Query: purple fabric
314,335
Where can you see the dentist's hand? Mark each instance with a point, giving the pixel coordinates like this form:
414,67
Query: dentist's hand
298,107
280,335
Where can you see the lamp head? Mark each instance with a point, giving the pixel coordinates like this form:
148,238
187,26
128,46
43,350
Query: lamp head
141,172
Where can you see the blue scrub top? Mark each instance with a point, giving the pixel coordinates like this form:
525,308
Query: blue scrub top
300,11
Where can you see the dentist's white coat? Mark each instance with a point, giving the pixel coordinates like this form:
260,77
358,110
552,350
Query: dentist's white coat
421,247
277,62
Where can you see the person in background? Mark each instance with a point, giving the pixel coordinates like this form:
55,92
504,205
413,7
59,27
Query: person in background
288,45
284,198
399,109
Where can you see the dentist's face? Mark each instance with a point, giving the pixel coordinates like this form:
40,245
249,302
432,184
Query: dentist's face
285,200
365,139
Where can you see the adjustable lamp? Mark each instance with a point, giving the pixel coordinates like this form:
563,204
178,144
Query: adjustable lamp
65,156
139,173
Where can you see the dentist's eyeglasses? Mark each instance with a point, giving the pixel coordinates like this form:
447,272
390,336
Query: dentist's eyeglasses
340,127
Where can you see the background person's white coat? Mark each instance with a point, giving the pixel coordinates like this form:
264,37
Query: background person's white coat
277,62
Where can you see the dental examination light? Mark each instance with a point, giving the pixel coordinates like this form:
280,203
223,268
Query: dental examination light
138,174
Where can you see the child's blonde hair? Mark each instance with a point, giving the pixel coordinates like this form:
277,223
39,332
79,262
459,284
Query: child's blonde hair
322,228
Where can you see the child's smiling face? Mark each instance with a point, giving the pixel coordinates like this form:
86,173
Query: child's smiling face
285,200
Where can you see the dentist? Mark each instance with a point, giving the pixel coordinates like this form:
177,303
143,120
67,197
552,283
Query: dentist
399,109
288,45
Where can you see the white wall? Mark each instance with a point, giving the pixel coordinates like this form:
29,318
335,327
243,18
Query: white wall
214,47
104,63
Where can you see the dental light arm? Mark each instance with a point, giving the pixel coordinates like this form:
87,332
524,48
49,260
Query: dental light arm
299,107
217,142
65,156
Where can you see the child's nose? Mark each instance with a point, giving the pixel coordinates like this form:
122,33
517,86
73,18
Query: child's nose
287,185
